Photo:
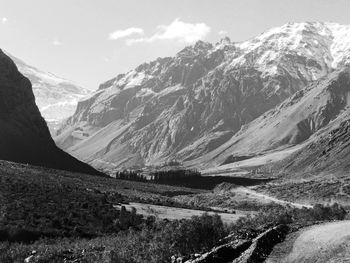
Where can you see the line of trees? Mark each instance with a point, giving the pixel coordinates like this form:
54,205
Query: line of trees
131,176
174,177
185,177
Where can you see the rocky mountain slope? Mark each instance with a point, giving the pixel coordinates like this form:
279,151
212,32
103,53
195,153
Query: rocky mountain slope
24,136
55,97
328,149
193,107
299,120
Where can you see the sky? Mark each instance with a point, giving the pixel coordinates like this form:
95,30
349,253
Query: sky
92,41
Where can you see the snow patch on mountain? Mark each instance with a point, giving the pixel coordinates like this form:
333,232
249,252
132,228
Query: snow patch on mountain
131,80
340,48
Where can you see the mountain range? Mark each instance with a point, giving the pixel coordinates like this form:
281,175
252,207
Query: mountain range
213,105
24,135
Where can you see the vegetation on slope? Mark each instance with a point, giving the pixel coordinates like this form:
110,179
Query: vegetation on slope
158,241
33,207
55,216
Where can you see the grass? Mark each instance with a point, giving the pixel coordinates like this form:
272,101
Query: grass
128,189
38,202
34,205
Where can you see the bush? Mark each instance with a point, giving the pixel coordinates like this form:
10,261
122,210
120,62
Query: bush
159,241
275,214
156,241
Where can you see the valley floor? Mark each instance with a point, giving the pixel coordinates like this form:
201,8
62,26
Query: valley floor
83,216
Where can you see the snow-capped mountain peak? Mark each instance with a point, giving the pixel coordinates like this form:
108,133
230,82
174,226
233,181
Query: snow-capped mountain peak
188,105
326,42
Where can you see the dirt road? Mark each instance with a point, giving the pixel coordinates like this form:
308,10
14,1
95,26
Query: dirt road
267,198
328,242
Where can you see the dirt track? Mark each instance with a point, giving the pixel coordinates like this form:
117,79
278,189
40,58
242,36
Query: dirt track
328,242
267,198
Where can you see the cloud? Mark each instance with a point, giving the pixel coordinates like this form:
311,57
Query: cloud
125,33
56,42
178,30
222,33
4,20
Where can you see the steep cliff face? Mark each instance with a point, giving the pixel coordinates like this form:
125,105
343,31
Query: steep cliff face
187,106
24,136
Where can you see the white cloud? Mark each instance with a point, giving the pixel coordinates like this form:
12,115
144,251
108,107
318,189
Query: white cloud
125,33
56,42
179,31
222,33
4,20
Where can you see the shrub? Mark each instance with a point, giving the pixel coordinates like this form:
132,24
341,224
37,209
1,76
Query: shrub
157,242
